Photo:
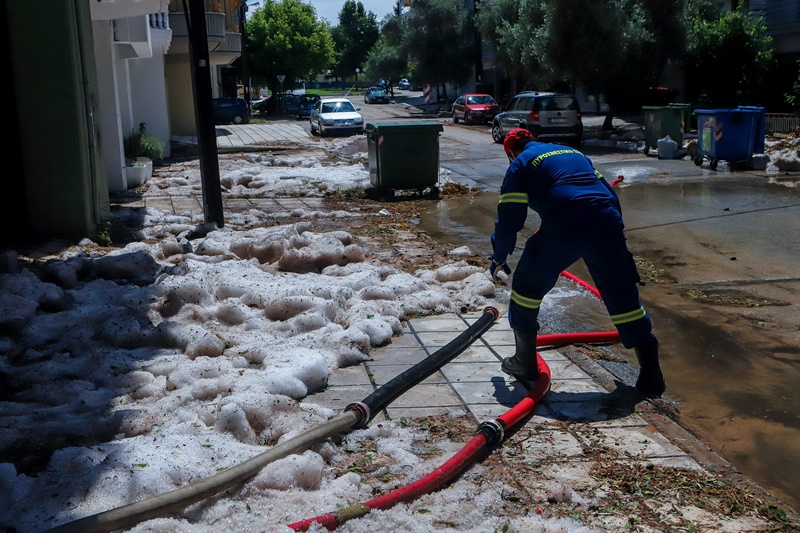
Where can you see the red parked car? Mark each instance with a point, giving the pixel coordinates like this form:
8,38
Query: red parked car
478,108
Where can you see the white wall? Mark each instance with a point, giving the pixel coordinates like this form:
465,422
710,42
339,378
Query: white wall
110,117
148,95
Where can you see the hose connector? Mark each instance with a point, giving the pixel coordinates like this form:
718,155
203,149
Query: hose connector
494,312
363,411
494,430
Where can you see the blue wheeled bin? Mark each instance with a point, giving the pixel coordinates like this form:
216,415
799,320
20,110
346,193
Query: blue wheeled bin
729,134
760,119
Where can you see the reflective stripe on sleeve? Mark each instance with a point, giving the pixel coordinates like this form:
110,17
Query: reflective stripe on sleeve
514,198
524,301
630,316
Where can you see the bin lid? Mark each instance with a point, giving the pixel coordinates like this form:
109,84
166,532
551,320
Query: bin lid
725,110
404,125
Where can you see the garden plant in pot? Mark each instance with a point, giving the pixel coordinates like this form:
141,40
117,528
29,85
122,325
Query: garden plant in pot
141,149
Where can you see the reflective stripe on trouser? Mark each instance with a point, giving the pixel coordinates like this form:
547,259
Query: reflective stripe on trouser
548,252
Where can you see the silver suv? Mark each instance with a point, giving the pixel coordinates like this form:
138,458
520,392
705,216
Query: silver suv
550,117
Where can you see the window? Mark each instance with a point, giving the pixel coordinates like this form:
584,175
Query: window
481,99
525,104
337,107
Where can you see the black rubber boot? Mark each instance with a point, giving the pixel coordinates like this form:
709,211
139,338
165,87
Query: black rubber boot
522,365
651,380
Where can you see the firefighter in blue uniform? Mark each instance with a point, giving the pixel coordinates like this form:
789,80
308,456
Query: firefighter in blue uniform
580,218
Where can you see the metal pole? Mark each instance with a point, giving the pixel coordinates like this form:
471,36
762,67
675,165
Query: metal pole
245,55
204,113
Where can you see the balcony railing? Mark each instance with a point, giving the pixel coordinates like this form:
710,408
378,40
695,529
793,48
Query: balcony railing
159,21
233,43
215,26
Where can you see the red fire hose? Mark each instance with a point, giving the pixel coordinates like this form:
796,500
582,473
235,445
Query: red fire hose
489,433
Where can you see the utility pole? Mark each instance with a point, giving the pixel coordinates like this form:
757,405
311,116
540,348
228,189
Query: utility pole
204,112
245,53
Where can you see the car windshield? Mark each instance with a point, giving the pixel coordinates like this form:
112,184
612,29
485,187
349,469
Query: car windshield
309,98
481,99
376,91
337,107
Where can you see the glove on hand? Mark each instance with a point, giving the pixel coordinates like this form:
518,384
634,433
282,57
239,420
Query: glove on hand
498,264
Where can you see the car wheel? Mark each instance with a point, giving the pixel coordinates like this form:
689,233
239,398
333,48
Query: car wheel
497,133
455,118
313,128
466,117
238,119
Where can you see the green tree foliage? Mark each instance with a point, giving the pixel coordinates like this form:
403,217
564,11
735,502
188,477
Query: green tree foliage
392,25
728,60
285,37
509,27
438,37
614,47
793,98
355,35
387,60
617,48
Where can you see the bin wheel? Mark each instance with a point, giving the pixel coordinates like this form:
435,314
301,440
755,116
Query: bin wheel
714,164
433,192
698,161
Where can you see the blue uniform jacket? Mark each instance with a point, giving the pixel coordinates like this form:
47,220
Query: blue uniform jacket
557,182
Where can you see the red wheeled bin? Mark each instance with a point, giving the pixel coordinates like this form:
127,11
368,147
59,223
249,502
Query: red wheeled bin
732,135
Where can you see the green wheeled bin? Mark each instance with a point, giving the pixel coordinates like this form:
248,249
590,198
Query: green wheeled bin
660,121
403,154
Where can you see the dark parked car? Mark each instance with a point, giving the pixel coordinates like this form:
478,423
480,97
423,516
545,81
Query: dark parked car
259,106
551,117
293,105
480,108
376,95
227,110
305,104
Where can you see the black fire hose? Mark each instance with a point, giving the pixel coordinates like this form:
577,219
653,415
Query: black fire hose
354,415
392,390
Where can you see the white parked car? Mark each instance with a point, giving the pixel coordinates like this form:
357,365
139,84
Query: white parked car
335,115
404,84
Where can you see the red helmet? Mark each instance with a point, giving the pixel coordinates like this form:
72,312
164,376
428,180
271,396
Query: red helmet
514,136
